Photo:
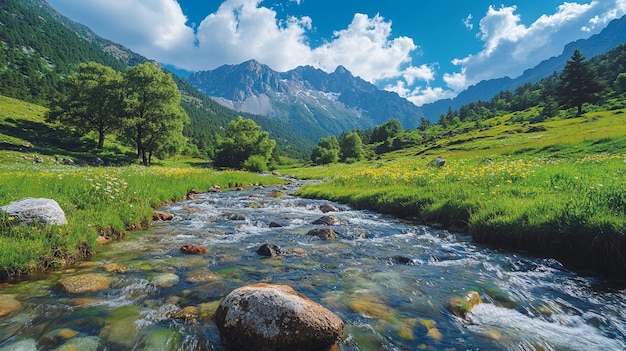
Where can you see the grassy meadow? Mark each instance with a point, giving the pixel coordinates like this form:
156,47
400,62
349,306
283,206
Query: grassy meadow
558,190
97,201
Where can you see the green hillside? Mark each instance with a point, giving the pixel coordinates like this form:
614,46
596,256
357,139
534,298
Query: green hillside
39,47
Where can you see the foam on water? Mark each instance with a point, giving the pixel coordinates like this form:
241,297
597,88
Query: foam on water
566,332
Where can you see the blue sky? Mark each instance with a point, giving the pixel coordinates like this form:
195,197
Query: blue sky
424,50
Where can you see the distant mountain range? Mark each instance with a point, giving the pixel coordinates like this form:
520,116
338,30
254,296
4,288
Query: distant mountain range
40,46
610,37
305,98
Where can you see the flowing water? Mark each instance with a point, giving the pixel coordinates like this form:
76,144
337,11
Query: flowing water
388,279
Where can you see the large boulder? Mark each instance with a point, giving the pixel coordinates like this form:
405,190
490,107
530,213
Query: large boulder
266,317
35,211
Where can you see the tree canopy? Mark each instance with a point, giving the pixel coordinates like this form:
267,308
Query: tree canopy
93,101
326,151
154,119
244,141
351,147
579,83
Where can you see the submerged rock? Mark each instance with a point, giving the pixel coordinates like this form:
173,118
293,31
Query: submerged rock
8,304
193,249
165,280
461,306
189,313
327,220
35,211
323,233
266,317
275,225
269,250
84,283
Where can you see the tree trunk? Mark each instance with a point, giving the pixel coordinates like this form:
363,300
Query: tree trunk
144,158
580,109
101,139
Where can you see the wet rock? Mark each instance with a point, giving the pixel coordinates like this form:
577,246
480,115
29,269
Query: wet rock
437,162
461,306
327,220
22,345
189,313
264,317
193,249
215,189
8,304
237,217
370,306
192,194
88,343
120,329
328,208
269,250
276,193
114,268
84,283
162,216
431,327
401,259
35,211
323,233
165,280
275,225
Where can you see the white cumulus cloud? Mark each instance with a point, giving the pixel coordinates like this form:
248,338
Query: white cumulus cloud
240,30
510,47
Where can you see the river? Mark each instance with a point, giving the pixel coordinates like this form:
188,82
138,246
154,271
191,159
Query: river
389,280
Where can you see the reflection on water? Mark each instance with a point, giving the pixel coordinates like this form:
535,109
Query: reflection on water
388,279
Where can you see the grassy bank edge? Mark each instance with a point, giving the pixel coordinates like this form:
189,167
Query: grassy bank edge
101,205
579,243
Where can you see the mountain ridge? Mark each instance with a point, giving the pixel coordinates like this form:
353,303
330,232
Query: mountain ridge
305,97
610,37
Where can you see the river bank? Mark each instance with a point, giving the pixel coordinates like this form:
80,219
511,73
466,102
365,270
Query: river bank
568,209
100,203
388,279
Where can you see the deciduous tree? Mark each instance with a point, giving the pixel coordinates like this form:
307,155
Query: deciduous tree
326,151
351,147
154,119
93,101
244,140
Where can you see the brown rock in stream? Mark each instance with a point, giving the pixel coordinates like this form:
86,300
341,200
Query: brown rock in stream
84,283
267,317
8,304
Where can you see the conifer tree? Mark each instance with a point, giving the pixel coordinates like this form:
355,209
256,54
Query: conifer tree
579,83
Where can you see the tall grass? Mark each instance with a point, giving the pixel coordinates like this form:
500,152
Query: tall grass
97,201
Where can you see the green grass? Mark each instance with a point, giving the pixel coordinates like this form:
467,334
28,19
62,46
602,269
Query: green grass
98,201
558,192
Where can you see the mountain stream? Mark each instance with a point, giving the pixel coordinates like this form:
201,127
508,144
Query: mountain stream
388,279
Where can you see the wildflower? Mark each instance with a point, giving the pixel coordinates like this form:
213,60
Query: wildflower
11,218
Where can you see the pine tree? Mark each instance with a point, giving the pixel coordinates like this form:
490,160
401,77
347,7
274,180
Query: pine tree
579,83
